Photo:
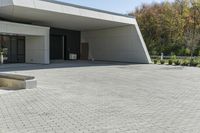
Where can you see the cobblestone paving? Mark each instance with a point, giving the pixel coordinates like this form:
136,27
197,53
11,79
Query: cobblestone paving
85,97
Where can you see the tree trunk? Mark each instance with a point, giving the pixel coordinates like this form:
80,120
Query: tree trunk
191,56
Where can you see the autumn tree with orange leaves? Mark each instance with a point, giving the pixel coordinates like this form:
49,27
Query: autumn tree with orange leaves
167,26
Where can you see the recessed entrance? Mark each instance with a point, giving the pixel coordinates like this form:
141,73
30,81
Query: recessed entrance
56,47
64,43
14,48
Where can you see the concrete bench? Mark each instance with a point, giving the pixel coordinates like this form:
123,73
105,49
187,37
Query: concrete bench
13,81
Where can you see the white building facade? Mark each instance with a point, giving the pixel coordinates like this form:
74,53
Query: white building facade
40,31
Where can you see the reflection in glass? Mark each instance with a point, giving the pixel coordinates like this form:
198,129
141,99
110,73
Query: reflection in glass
13,48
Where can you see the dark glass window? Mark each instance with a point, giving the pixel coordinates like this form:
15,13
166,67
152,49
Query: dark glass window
14,48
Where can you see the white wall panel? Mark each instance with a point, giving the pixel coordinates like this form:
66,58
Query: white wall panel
36,52
116,44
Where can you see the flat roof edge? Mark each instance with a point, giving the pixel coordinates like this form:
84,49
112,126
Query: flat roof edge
88,8
18,23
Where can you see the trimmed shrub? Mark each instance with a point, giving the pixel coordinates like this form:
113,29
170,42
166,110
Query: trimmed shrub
194,63
185,63
155,61
170,62
177,62
162,62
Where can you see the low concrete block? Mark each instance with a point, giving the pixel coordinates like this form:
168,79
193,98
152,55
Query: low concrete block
17,83
30,84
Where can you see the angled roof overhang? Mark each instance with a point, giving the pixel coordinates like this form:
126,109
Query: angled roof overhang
62,15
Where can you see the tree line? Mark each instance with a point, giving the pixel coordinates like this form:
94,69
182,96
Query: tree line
170,28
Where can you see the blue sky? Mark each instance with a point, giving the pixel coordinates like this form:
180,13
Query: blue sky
119,6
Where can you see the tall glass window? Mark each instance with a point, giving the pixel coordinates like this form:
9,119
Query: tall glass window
14,48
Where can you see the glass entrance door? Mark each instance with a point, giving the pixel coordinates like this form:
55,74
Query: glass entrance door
56,47
20,50
14,48
5,45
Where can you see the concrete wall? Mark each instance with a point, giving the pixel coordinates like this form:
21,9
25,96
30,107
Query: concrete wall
36,52
37,40
123,44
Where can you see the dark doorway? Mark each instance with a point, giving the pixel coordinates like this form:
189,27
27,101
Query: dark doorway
20,50
84,51
66,49
64,42
14,48
56,47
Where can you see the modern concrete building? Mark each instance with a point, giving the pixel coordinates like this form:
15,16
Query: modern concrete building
38,31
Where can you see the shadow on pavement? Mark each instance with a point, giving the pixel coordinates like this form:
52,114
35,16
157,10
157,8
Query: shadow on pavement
65,64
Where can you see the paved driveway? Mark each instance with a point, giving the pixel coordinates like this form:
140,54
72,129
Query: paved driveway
99,97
